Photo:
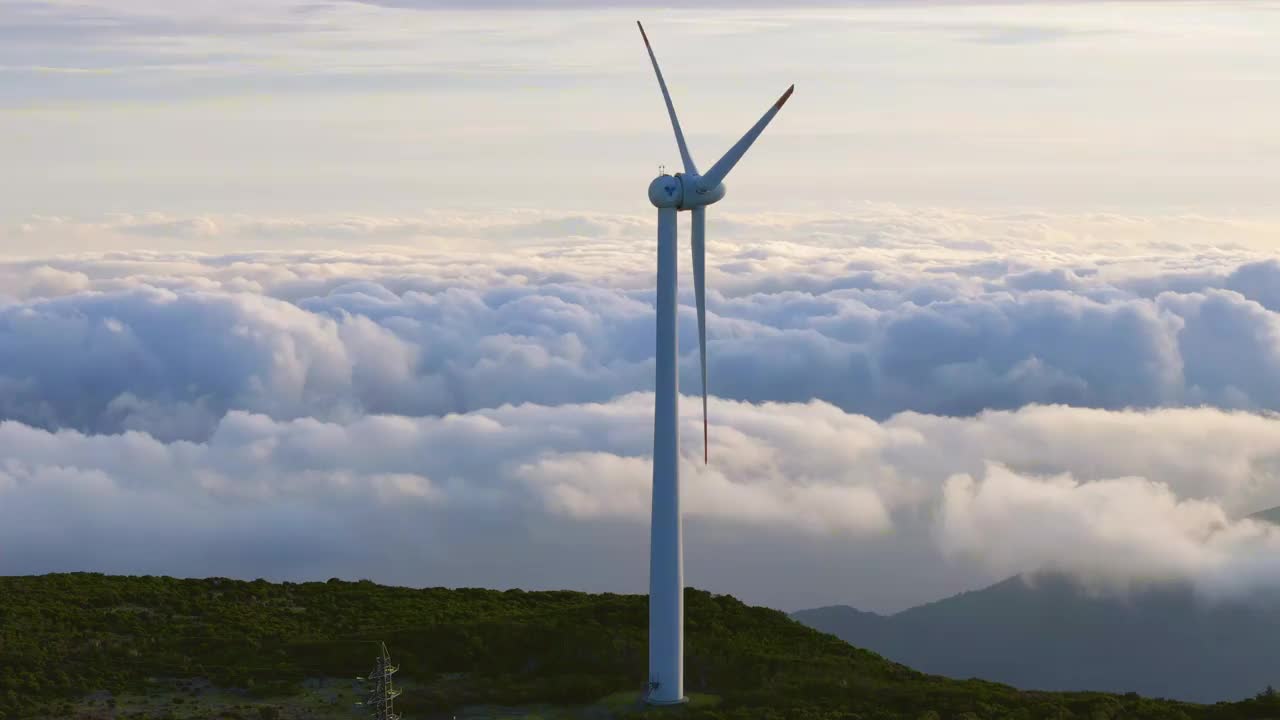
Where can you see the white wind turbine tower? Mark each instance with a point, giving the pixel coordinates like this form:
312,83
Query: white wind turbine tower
670,194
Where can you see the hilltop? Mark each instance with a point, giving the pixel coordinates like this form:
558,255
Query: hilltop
1050,632
92,645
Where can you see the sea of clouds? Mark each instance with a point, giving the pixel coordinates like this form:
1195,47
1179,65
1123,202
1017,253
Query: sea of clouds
905,403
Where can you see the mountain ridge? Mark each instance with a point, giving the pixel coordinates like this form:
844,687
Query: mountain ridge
1051,632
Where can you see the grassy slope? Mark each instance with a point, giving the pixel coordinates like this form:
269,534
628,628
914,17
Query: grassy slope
62,636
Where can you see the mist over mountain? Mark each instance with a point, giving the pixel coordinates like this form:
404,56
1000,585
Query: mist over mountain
1052,632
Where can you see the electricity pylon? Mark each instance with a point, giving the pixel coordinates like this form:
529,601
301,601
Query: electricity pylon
381,691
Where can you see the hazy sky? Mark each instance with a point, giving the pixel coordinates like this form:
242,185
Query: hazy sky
365,289
297,106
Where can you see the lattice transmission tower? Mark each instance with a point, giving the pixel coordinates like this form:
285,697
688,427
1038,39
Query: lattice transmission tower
381,691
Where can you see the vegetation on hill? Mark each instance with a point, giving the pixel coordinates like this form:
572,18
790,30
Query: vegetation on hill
65,636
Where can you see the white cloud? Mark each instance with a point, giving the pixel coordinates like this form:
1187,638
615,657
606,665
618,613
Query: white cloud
462,411
876,313
400,393
562,491
1113,532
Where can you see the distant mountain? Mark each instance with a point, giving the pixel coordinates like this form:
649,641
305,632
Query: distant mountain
1271,516
1052,634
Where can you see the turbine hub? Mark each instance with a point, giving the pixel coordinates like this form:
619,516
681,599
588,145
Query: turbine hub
681,191
666,191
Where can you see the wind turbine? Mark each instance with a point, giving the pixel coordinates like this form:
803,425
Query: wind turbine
670,194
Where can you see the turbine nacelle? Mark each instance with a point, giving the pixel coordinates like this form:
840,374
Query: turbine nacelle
681,191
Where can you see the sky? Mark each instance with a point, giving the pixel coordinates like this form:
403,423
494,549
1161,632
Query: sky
365,289
297,106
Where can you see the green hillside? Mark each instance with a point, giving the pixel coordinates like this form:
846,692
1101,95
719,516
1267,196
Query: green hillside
88,644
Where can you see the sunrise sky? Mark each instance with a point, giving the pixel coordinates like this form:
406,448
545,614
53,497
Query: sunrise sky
365,289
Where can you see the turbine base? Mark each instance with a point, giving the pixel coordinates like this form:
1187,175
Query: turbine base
666,703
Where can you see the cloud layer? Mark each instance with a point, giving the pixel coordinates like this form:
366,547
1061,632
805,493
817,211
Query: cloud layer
875,314
905,404
554,496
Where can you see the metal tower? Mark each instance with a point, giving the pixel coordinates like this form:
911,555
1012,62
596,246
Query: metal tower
671,194
381,692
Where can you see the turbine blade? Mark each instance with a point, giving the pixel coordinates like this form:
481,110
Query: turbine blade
722,167
689,167
700,296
